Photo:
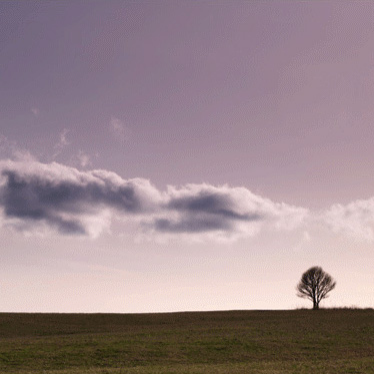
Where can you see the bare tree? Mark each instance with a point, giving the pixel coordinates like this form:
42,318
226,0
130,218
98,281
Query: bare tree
314,285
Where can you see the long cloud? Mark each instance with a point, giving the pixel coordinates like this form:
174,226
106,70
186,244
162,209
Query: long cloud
76,202
56,197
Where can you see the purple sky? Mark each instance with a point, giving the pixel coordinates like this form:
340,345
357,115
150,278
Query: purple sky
190,155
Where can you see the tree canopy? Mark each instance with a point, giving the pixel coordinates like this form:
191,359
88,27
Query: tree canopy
315,284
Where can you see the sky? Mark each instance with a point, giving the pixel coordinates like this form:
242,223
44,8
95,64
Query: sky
160,156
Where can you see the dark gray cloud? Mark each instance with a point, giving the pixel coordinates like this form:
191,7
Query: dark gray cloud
33,196
204,210
192,224
61,196
37,199
211,203
68,226
227,211
77,202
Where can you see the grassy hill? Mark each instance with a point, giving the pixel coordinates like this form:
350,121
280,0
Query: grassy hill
298,341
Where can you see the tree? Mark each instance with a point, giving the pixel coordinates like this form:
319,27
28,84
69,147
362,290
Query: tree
315,284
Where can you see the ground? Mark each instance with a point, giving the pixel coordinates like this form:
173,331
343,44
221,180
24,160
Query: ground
296,341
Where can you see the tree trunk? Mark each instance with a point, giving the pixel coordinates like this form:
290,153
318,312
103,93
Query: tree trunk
315,305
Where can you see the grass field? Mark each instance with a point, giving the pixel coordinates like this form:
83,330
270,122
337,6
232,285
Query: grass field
300,341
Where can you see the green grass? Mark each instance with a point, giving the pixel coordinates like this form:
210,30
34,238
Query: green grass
300,341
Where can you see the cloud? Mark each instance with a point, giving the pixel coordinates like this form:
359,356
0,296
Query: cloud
233,211
10,148
355,219
35,111
7,146
37,197
34,195
83,158
3,142
62,143
63,198
119,130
